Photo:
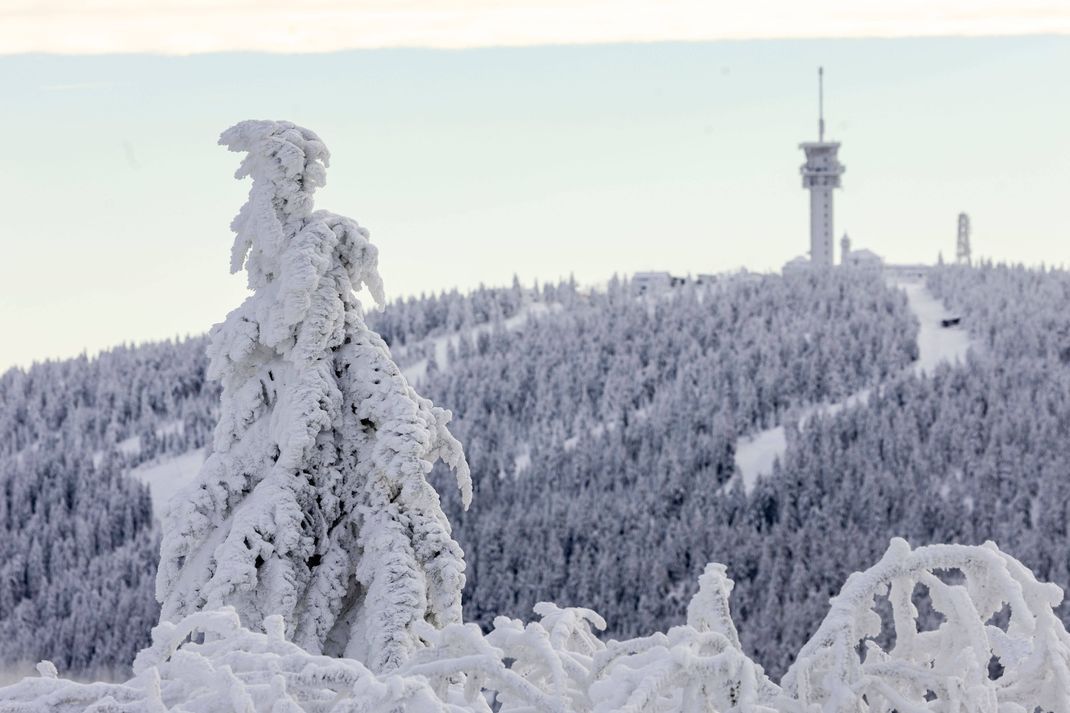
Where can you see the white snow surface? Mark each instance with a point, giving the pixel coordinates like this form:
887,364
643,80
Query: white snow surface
167,477
132,446
936,344
416,372
756,454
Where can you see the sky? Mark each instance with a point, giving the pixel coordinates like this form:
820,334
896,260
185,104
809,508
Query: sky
471,163
192,26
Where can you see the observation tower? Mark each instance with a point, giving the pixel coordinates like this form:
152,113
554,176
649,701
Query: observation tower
820,175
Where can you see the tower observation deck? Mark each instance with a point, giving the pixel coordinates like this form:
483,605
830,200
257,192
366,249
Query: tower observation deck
821,174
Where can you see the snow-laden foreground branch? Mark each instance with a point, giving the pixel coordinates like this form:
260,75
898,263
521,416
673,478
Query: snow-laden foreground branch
997,647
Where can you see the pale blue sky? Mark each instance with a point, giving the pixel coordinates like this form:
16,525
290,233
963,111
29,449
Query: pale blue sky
470,165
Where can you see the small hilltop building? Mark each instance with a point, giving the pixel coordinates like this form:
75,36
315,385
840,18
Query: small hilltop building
653,282
863,259
795,266
647,282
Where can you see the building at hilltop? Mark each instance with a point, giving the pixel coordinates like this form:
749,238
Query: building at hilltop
652,282
821,175
795,266
645,282
865,260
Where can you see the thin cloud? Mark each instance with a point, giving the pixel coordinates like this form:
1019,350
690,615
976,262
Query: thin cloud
77,86
196,26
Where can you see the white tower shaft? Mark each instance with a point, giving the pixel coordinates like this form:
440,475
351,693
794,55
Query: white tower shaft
821,175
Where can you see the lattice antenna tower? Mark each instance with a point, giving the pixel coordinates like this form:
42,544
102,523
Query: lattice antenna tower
962,247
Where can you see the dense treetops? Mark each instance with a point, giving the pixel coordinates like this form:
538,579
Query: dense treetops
603,430
971,453
596,401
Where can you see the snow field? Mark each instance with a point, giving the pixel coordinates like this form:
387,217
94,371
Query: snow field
166,478
416,372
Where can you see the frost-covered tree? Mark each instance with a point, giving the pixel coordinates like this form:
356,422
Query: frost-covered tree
313,503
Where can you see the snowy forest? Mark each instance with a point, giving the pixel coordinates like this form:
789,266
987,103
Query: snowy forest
668,384
336,512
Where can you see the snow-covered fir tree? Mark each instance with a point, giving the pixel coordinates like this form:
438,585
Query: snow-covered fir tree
313,503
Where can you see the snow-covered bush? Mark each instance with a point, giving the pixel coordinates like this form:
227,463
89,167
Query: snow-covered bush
313,504
999,649
998,646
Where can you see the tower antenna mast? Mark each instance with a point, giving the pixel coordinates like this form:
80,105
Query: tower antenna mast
821,176
820,104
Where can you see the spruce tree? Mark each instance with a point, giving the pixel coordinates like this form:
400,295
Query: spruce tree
314,501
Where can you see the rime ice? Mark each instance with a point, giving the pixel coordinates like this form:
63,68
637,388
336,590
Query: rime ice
313,504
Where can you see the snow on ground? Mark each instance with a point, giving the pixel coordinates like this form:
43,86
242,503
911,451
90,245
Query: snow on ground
522,461
168,477
756,454
417,371
936,344
172,428
129,446
132,446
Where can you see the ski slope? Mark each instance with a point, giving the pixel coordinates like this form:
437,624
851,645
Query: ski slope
416,372
168,477
936,344
756,454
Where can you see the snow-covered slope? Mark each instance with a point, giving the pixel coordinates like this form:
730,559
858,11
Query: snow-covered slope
416,371
756,454
168,477
936,344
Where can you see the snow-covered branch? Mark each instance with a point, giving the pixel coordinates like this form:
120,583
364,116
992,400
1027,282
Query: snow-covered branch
998,644
999,648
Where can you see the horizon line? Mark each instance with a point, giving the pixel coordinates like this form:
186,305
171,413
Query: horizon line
534,45
162,27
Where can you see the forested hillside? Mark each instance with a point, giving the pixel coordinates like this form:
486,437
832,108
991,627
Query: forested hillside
971,454
624,407
78,550
602,431
605,433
